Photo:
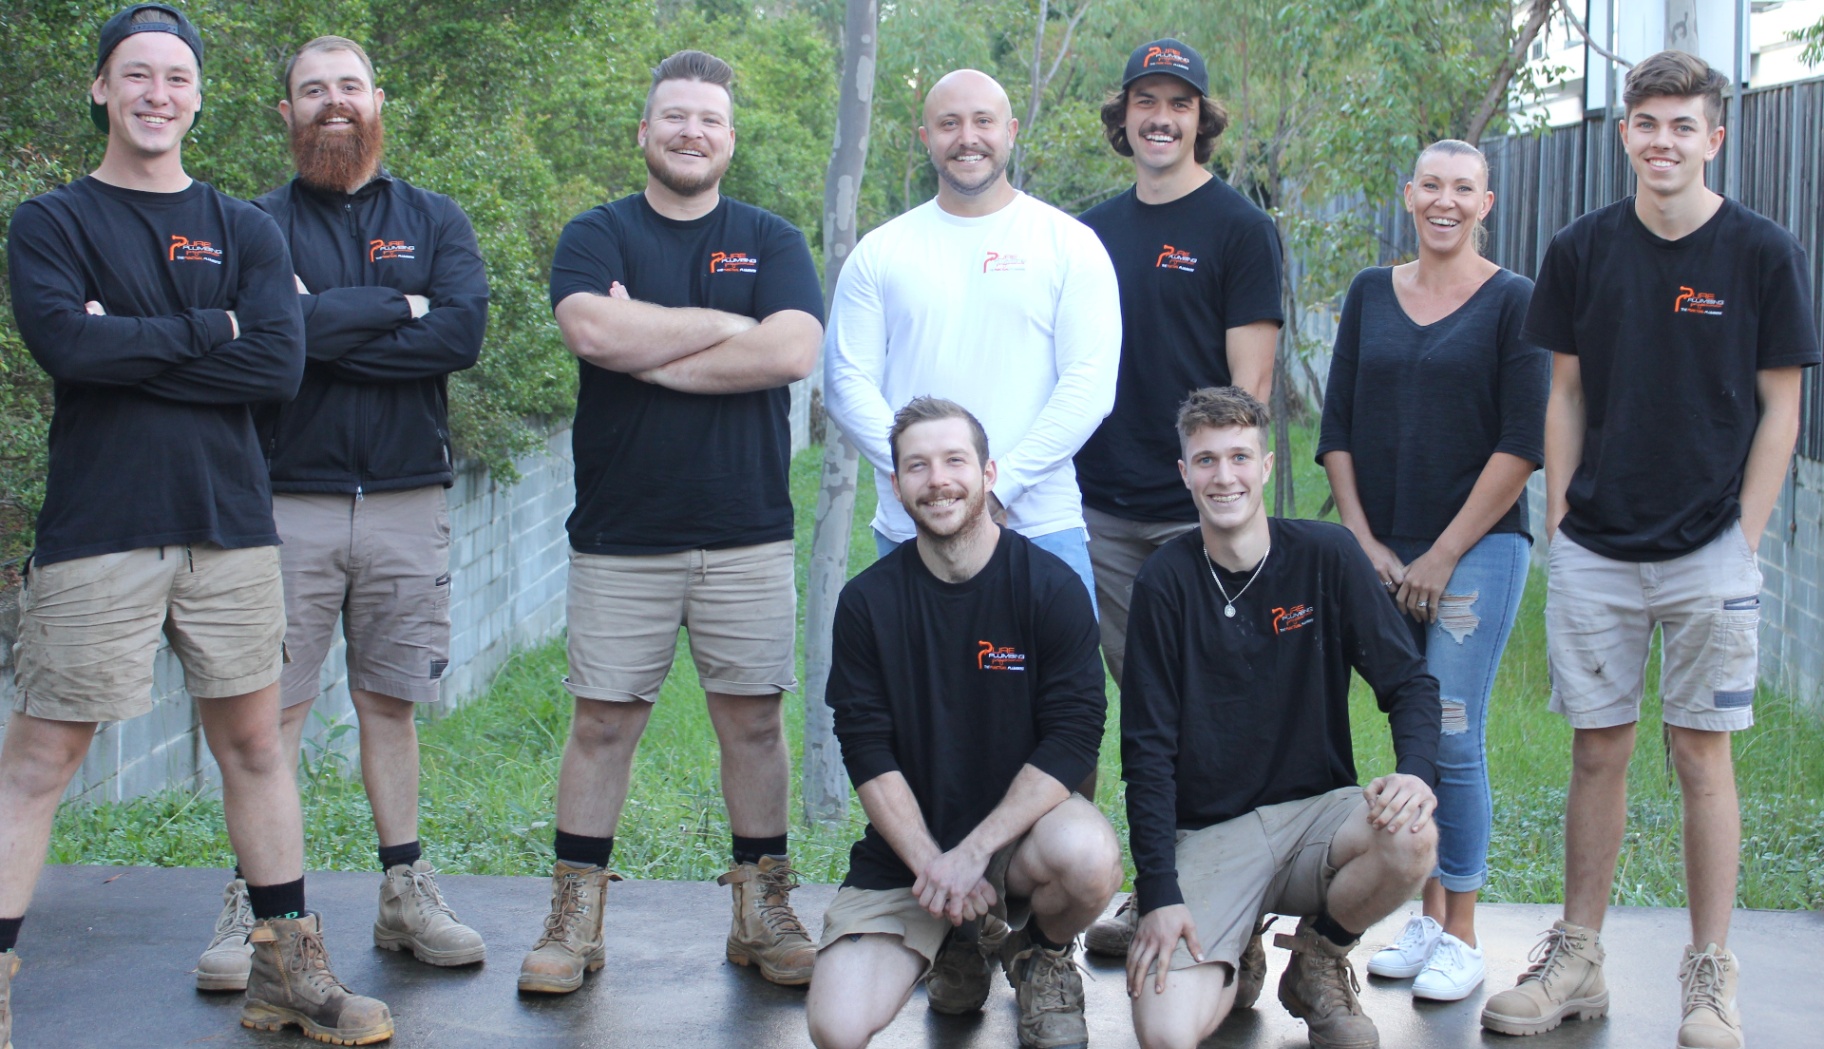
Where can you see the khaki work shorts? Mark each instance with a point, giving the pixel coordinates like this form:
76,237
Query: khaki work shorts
1274,860
740,607
89,628
1599,620
382,563
896,912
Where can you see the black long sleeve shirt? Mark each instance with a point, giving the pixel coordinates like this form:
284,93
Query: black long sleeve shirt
152,439
957,686
373,411
1220,716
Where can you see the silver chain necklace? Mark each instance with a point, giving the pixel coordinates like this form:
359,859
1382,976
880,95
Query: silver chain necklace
1228,603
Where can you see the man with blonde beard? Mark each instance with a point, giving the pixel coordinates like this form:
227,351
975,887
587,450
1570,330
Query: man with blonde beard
394,299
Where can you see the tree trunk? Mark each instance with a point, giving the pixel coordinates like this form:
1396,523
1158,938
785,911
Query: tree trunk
1504,75
826,785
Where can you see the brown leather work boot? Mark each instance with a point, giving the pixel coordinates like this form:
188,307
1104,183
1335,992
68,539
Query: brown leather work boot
9,967
228,958
414,916
1319,987
1708,980
1251,973
291,983
1111,936
1050,993
1564,980
764,931
572,940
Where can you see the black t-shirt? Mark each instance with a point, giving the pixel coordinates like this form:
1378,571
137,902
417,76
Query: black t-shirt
152,440
958,685
1669,335
1189,270
1421,408
1220,716
657,470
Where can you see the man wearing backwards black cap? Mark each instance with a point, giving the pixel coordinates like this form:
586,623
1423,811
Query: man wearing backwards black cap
164,310
359,463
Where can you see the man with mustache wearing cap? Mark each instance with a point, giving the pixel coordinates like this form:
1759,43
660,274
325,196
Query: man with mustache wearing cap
165,311
394,298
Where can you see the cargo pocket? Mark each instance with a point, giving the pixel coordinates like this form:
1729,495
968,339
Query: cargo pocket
1735,638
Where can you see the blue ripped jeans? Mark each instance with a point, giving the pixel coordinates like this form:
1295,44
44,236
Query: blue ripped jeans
1462,650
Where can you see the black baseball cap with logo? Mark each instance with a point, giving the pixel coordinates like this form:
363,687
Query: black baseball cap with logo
117,29
1170,57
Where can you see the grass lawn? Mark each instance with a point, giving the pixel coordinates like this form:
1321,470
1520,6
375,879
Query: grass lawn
490,771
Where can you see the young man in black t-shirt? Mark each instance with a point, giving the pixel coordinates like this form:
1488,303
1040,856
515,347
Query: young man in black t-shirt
1673,311
1235,745
689,314
1198,267
969,701
165,311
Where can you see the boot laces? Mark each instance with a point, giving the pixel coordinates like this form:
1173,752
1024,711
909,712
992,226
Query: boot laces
1548,956
775,905
427,896
1333,979
236,919
312,963
567,909
1703,983
1049,973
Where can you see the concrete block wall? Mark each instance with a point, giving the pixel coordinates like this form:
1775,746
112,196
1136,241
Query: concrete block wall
508,557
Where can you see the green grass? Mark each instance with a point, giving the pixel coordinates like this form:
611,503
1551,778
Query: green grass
490,771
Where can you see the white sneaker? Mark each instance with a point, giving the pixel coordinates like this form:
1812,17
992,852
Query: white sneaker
1455,970
1406,956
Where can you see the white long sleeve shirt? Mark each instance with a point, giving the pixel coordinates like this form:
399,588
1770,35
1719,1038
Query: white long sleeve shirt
1014,315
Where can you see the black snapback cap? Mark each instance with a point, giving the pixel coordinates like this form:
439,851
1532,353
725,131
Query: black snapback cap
117,29
1170,57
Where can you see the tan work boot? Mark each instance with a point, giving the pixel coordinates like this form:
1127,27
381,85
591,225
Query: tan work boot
1251,973
291,984
1564,980
1110,937
764,931
9,967
413,915
572,941
960,976
1050,992
1319,987
227,959
1708,979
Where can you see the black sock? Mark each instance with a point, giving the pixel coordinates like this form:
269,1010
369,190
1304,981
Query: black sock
394,855
1327,927
1039,939
9,932
238,874
749,850
580,850
277,901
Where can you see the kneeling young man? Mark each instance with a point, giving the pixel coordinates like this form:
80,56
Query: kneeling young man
1241,795
968,700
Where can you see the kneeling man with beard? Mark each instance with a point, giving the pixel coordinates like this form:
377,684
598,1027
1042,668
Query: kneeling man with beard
968,698
394,298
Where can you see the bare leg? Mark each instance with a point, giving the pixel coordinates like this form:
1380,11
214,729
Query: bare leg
859,986
1713,830
1455,911
1069,866
39,759
756,767
1596,817
1195,1002
259,791
389,763
1376,871
598,764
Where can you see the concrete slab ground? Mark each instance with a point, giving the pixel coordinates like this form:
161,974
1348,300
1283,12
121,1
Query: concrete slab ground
108,953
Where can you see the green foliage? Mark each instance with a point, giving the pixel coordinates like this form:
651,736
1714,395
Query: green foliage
1812,37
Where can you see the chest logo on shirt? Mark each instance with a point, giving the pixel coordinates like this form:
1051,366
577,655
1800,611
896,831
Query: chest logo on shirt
1173,259
1286,620
379,250
183,249
733,262
998,657
1704,302
1003,262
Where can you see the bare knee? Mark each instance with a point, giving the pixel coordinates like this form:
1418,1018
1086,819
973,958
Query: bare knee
837,1032
372,706
602,727
750,723
1075,847
1700,756
44,768
1602,752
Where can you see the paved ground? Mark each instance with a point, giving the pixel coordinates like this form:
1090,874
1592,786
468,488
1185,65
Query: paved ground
108,953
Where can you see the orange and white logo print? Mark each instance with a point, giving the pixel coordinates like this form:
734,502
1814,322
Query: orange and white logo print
379,250
1165,56
1003,262
1691,301
1295,618
183,249
991,656
733,262
1174,259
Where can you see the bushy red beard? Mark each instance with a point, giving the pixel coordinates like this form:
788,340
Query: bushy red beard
342,161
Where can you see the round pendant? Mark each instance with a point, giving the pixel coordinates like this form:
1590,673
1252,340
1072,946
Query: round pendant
1228,610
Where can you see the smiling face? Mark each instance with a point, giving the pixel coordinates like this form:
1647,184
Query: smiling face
940,479
1448,196
1226,471
969,129
1668,140
152,90
1161,124
688,135
334,117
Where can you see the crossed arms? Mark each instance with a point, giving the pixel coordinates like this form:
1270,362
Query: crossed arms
689,349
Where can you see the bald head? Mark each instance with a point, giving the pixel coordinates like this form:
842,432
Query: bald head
969,129
965,92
